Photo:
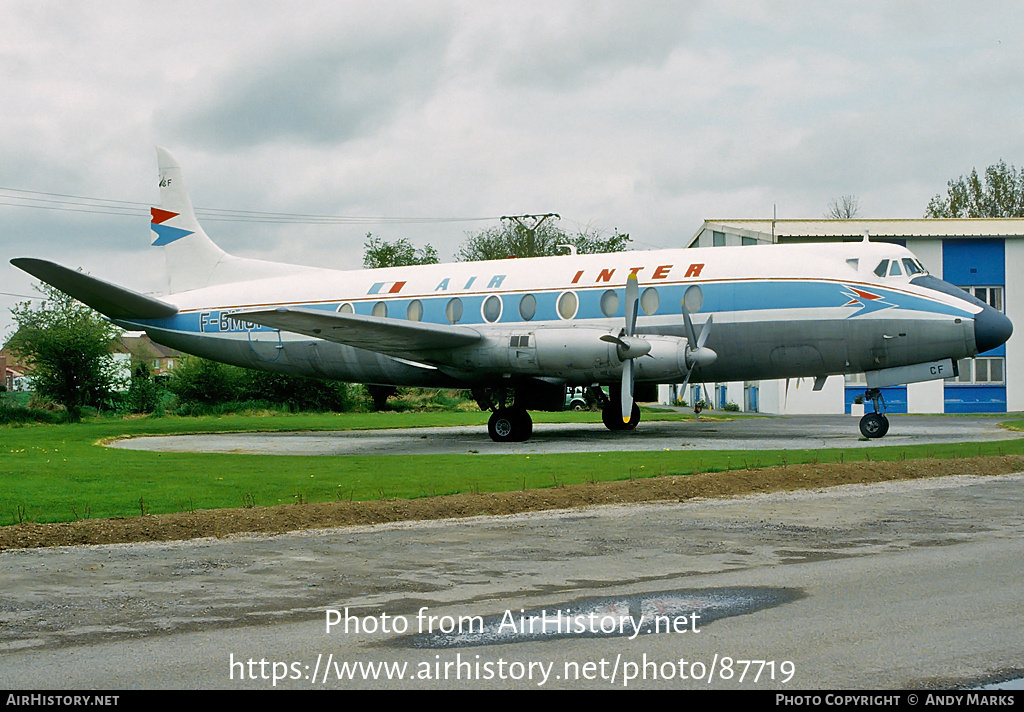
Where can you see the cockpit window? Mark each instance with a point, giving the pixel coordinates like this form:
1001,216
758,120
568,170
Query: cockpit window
882,268
895,270
912,267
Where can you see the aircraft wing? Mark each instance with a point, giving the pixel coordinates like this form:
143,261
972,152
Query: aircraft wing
106,298
392,337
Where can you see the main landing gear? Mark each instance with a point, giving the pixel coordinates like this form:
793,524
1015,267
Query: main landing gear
510,425
509,421
611,409
874,425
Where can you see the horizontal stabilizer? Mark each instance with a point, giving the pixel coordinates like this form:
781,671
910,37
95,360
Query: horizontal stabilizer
373,333
106,298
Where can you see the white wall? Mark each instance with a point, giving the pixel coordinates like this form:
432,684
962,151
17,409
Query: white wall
1014,303
930,254
926,397
801,398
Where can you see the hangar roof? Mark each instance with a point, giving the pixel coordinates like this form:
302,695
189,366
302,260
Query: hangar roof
900,228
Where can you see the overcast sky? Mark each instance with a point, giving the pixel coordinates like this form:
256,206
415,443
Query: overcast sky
646,117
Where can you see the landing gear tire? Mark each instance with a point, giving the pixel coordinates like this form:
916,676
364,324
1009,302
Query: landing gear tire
510,425
612,419
874,425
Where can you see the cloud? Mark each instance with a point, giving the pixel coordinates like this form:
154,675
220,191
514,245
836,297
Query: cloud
327,92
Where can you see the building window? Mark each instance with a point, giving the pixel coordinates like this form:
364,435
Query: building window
986,371
748,241
993,296
717,238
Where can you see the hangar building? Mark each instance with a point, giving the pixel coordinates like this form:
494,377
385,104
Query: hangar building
983,256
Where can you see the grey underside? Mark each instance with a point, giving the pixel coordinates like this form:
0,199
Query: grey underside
746,351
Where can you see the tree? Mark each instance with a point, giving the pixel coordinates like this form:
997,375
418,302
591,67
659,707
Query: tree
518,238
68,348
1000,196
144,393
381,253
844,207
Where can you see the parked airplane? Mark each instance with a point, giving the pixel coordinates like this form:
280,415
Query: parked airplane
516,332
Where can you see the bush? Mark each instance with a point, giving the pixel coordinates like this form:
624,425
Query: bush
144,394
204,387
11,411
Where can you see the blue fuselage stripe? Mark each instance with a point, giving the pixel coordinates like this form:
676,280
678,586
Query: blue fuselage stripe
720,298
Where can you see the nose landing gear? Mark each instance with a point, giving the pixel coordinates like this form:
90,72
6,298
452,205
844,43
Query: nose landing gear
874,425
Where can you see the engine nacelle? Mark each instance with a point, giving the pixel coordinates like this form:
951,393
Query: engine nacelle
574,350
577,355
666,362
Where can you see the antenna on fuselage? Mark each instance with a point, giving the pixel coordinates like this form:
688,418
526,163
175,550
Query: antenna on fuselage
866,236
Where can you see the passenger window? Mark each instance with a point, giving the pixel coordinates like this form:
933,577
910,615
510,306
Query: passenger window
883,268
649,301
453,310
528,307
414,312
567,305
610,303
491,310
380,309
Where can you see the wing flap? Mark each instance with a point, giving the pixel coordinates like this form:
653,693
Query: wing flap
393,337
106,298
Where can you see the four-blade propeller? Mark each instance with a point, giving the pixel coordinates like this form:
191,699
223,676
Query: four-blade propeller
629,346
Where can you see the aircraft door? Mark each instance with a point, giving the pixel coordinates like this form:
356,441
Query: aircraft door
266,344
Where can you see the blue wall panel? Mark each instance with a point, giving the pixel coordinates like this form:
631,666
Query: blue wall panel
895,398
975,399
974,262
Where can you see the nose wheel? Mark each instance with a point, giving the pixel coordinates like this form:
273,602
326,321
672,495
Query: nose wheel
874,425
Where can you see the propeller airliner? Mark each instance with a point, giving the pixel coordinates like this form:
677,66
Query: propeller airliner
516,332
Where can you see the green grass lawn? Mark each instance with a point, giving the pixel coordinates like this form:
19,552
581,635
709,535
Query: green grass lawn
51,473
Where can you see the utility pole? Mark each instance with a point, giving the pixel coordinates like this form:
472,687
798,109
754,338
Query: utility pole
535,221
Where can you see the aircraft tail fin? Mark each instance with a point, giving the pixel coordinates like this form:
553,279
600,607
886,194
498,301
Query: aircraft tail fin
192,257
193,260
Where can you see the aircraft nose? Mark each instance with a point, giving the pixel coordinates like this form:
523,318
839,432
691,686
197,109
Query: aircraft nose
991,329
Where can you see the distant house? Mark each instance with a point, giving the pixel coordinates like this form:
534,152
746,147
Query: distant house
160,359
14,378
128,351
